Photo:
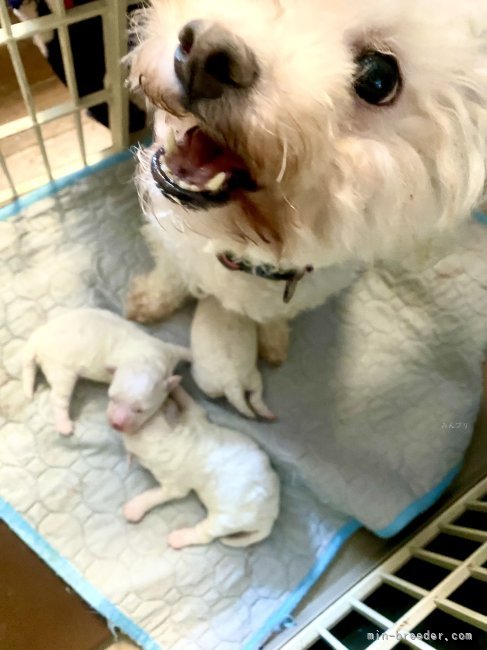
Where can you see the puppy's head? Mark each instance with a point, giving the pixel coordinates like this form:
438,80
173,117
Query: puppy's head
323,130
136,392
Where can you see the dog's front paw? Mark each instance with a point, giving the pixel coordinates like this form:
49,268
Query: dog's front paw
139,305
149,300
133,511
274,342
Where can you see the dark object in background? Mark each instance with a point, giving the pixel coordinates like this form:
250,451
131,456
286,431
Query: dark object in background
37,609
88,59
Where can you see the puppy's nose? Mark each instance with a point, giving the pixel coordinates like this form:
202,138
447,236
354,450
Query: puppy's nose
209,60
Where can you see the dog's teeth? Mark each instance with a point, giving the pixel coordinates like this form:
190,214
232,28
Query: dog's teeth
166,169
171,144
188,186
216,182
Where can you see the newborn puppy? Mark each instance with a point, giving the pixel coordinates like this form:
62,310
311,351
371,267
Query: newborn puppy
137,391
224,348
230,474
99,345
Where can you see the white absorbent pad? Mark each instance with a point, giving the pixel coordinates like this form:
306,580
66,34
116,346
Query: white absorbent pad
376,407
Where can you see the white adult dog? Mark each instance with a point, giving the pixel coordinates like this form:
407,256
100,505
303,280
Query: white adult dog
298,143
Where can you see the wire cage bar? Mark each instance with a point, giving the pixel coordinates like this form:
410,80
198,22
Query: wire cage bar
113,18
358,617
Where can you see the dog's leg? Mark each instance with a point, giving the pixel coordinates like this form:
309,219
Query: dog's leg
62,382
157,294
274,341
203,533
137,507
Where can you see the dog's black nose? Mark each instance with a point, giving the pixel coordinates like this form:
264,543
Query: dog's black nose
209,60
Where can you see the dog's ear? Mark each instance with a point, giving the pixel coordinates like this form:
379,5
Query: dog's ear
110,369
173,382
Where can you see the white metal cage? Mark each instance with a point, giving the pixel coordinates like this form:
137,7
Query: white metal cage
113,16
455,545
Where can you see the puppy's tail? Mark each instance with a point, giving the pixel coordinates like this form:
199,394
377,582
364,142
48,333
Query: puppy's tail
247,538
29,368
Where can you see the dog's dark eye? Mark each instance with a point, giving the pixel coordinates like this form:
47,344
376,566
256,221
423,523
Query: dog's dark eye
378,79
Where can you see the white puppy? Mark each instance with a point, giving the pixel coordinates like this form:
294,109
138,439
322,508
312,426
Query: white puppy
99,345
222,368
231,475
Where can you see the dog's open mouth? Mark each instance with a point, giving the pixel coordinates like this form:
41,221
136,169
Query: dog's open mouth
198,172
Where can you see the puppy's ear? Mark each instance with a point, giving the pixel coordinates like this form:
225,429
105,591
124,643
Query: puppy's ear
173,382
110,369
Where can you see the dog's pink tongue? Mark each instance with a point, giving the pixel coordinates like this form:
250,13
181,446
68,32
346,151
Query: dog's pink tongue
198,158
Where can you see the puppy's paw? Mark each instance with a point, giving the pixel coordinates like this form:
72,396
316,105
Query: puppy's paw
64,427
178,539
189,537
274,342
260,407
236,395
133,511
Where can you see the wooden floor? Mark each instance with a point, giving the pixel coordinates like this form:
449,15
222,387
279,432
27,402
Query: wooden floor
21,151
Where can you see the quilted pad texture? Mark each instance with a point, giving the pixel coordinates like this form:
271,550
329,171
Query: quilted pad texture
376,407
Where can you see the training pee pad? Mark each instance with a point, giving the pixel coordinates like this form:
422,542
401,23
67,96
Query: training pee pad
376,407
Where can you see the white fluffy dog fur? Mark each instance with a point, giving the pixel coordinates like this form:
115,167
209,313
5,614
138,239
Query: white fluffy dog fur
221,368
230,474
340,182
99,345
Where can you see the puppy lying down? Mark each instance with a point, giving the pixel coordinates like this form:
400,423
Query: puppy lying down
99,345
230,474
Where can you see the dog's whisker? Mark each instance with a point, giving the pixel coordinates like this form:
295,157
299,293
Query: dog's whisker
269,131
288,202
282,171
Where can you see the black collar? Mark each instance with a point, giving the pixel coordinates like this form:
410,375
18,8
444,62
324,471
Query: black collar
266,271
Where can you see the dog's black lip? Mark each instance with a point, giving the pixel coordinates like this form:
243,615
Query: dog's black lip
197,200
